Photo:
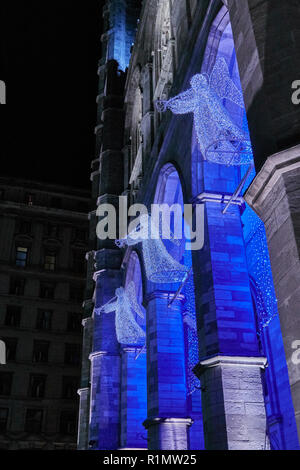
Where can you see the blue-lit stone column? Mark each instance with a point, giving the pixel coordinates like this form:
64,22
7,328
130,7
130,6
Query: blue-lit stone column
133,398
105,368
167,422
230,364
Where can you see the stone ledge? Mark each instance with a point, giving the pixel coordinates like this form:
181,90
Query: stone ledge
81,391
216,361
156,421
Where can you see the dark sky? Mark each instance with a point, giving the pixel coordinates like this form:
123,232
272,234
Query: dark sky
48,57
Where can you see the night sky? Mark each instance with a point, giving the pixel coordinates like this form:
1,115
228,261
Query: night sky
49,52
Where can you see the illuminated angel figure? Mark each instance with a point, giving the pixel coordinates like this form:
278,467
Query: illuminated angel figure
220,140
126,306
160,266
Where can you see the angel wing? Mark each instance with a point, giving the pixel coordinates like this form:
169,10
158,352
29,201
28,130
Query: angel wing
109,307
183,103
132,297
221,83
159,229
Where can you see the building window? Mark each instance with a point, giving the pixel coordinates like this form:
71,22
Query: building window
52,231
74,322
11,348
44,320
17,286
37,386
70,387
76,294
21,256
56,202
29,199
33,421
80,235
50,260
40,351
68,423
78,261
72,354
3,419
47,290
5,383
13,316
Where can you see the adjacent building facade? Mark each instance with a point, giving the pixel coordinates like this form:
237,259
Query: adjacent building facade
44,238
219,369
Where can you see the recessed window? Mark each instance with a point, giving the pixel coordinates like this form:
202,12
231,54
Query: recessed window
50,261
11,348
17,286
47,290
29,199
13,316
3,419
52,230
5,383
40,351
21,256
76,293
78,261
74,322
70,387
68,423
44,320
33,421
37,385
72,354
56,202
80,235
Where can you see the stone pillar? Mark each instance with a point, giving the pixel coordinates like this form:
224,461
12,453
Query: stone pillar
105,401
83,420
167,422
133,398
105,362
233,400
275,196
84,391
229,367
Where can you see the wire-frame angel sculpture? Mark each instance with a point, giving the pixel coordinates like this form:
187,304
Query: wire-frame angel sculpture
126,306
160,266
220,140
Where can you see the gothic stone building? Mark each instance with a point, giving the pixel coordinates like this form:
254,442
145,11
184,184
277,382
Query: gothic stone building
220,368
43,233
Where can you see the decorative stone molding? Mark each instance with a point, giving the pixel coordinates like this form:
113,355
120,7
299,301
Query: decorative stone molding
168,296
218,198
155,421
97,354
216,361
82,391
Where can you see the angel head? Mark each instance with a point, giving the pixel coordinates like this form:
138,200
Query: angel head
120,292
199,81
140,233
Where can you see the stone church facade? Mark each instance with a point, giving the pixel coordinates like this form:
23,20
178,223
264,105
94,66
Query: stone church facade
219,368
